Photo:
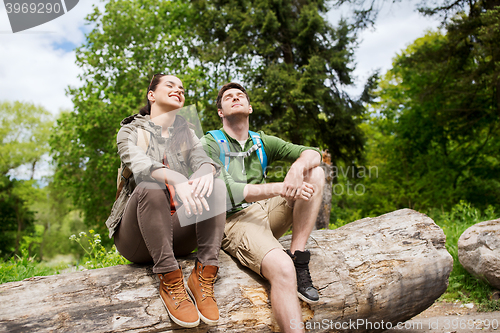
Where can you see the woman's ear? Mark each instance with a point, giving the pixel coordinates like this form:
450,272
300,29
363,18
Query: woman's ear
151,96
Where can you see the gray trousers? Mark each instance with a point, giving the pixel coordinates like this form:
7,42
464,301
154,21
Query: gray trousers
148,233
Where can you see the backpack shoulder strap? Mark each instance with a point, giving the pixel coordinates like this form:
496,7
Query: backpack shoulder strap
261,153
224,149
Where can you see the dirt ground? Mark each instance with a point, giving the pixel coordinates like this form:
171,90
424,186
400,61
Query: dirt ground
445,317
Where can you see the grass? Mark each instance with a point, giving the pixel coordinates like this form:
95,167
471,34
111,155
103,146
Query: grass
463,286
20,267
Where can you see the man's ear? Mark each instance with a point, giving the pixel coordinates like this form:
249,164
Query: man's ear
250,110
220,113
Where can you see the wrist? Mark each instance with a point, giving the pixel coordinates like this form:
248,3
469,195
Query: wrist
176,181
208,166
298,167
212,168
278,190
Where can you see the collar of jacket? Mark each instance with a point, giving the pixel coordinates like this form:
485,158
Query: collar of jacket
145,123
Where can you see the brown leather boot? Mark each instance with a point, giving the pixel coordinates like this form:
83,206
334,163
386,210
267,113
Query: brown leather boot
177,302
201,287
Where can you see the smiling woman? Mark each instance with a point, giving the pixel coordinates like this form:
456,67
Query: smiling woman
165,210
164,92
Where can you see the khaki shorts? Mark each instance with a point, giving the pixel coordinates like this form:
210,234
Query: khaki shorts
254,231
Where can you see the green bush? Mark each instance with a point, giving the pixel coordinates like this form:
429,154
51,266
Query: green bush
96,255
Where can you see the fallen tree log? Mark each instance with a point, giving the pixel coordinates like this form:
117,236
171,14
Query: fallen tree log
479,251
380,270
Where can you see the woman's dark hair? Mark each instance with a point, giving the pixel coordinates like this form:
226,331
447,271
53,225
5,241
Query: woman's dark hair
181,133
146,109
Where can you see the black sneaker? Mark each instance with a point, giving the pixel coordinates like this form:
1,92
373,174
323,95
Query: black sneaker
305,288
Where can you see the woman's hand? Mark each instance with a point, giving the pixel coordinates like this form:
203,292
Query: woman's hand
191,192
202,181
193,205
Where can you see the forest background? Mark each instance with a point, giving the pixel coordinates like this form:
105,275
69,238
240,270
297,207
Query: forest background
424,135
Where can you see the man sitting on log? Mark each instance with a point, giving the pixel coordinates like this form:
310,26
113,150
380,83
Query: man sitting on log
259,212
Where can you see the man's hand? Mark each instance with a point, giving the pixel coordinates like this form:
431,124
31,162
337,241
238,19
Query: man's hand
307,191
293,184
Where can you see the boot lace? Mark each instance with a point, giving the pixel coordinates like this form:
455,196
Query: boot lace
303,276
177,291
207,285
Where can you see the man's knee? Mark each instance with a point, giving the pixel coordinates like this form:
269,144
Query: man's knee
315,176
287,271
278,268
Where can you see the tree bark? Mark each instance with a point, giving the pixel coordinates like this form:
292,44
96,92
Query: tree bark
323,220
388,268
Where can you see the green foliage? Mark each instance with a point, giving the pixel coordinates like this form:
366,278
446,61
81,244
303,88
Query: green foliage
56,219
18,268
24,128
462,285
21,267
96,255
16,218
434,132
8,220
293,62
439,109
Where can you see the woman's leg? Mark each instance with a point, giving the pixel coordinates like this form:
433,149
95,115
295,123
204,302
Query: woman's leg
209,232
205,231
146,231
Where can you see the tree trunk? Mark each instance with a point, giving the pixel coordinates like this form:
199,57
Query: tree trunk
388,268
323,220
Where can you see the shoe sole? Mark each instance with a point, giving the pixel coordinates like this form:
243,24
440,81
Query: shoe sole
202,317
307,300
180,322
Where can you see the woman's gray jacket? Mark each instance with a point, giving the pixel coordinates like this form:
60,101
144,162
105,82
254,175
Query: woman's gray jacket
184,160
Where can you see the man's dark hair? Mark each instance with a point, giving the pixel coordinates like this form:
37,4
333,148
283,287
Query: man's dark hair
227,86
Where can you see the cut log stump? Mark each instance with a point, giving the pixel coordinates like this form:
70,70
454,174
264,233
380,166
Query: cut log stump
389,268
